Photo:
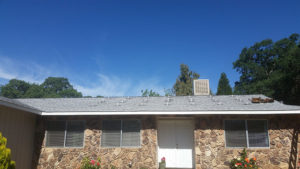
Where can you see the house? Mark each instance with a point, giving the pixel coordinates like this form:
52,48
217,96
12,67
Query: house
136,132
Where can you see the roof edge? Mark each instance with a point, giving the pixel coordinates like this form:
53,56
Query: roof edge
19,106
260,112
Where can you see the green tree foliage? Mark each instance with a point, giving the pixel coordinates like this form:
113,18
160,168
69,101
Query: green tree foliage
59,87
271,68
149,93
15,88
169,92
52,87
34,91
184,83
5,155
223,87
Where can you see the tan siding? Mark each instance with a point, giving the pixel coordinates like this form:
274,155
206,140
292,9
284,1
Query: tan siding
18,127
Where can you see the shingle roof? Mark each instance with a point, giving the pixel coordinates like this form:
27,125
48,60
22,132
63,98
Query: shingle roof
17,104
146,104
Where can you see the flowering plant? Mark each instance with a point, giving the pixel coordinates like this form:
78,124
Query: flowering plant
94,164
90,164
162,164
243,162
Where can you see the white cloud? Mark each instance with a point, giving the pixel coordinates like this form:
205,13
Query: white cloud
105,86
102,84
27,71
111,85
150,84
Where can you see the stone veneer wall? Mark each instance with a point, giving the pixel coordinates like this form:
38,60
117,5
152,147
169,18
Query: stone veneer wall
209,140
70,158
298,164
210,151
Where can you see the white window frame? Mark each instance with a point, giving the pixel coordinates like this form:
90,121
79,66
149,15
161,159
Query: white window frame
246,130
65,136
121,133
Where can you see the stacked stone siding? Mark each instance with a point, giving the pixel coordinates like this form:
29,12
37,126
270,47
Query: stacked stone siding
298,163
210,151
70,158
209,140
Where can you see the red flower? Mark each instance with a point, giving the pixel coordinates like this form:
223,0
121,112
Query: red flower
247,159
238,164
93,162
254,158
245,165
163,159
98,164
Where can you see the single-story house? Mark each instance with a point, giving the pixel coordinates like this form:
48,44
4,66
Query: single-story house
136,132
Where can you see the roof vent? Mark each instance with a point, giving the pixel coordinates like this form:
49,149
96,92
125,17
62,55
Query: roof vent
201,87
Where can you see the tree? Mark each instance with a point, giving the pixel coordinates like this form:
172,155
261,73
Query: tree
223,87
59,87
34,91
169,92
87,96
52,87
15,88
5,155
149,93
184,83
271,68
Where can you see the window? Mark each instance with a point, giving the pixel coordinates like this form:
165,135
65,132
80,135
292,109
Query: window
246,133
65,133
120,133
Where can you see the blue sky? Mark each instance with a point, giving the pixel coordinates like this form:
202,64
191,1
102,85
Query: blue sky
117,48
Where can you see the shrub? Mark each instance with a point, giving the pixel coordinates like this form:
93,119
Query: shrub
93,164
90,164
243,162
5,160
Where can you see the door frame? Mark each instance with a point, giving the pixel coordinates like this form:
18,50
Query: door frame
192,119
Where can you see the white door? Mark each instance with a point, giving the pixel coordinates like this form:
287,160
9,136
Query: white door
175,143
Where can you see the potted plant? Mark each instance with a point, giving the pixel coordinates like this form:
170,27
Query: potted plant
162,164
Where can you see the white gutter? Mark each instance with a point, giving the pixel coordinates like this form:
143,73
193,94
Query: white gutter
247,112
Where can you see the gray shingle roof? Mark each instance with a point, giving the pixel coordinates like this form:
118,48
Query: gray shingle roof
17,104
146,104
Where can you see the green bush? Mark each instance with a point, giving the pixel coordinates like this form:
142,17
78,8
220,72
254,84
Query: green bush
5,160
93,164
90,164
243,162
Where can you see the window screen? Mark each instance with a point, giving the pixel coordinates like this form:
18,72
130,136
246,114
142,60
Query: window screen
111,133
235,133
258,133
55,134
120,133
246,133
131,133
65,133
75,134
